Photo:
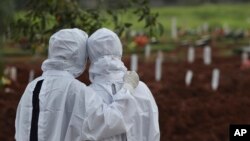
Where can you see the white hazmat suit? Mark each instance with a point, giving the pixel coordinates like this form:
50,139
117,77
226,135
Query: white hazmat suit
57,107
106,72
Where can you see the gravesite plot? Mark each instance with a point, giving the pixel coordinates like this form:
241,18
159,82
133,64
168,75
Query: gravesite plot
198,70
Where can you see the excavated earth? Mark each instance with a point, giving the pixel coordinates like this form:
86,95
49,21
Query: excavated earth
186,113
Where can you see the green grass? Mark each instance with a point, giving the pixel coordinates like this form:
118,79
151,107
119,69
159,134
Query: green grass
235,15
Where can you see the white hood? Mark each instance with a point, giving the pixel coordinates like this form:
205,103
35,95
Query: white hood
105,52
67,52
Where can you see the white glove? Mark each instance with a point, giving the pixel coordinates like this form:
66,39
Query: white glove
131,80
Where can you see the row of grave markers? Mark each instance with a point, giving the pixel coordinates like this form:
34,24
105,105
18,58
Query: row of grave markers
158,64
11,71
203,28
214,80
207,53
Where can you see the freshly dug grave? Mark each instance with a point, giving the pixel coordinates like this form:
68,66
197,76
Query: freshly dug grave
187,113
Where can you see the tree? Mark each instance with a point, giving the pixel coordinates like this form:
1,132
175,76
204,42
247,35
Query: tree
6,12
47,16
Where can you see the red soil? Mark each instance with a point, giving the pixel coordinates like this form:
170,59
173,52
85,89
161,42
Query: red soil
194,113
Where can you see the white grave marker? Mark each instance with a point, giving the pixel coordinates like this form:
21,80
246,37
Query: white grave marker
134,62
31,75
174,29
158,68
207,55
215,79
189,77
191,55
226,28
244,57
13,73
205,27
147,51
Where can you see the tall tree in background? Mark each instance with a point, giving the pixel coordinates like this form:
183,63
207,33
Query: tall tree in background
47,16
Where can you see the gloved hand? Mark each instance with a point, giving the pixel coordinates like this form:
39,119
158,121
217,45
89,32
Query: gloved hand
131,80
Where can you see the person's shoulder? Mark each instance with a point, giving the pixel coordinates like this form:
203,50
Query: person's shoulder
29,90
142,87
143,92
145,97
33,83
77,85
142,84
77,88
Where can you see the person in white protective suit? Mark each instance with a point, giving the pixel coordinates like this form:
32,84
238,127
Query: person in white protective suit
106,74
58,107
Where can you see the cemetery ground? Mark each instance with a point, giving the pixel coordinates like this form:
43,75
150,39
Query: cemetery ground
196,101
187,113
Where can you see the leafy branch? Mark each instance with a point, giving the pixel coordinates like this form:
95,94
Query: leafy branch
48,16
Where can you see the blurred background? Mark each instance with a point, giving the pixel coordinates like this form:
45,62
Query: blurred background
193,55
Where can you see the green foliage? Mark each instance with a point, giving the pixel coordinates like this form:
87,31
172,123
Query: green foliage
48,16
141,10
6,12
235,15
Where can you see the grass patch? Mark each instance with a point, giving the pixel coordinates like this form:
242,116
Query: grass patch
234,15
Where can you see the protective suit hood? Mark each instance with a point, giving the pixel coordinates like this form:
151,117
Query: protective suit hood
67,52
104,42
105,52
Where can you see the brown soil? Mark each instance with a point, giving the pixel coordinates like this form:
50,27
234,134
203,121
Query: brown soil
194,113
